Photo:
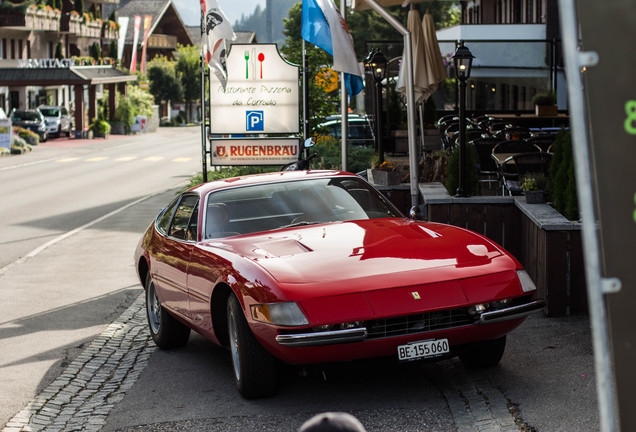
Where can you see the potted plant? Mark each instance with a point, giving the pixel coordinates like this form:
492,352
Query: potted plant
545,103
533,187
384,174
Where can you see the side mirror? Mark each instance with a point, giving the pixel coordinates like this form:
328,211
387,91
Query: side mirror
309,142
415,213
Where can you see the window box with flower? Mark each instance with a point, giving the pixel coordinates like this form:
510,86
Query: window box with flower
384,174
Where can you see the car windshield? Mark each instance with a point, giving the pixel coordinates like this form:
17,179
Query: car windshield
264,207
25,116
50,112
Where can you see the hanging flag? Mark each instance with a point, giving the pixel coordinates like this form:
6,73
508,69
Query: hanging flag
216,32
147,24
133,59
323,26
121,42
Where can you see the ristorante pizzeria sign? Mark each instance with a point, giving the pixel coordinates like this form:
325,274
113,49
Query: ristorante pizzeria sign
261,95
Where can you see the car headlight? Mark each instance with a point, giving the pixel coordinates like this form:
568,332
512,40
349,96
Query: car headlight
283,314
526,282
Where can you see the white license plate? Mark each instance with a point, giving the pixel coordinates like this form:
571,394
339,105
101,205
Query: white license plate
424,349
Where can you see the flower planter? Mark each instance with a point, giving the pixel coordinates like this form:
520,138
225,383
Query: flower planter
535,197
383,178
546,110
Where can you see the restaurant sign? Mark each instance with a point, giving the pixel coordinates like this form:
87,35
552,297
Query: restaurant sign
254,151
261,95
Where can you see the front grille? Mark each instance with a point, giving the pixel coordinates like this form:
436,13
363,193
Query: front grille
420,323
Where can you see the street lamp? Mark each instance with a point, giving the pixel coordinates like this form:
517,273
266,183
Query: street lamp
375,63
463,60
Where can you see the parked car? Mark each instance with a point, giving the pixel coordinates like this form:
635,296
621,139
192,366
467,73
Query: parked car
310,267
359,131
57,119
30,119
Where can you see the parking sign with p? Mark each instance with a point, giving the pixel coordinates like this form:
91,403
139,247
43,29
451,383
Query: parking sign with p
255,121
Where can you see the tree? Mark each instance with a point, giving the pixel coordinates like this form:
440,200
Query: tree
187,68
164,85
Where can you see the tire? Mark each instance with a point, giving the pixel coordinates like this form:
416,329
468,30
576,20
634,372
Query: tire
254,368
484,354
165,330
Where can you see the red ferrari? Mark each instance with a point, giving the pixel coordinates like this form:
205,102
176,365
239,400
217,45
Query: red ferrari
317,266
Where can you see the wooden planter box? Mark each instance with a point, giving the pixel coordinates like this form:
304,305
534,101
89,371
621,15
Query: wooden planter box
546,110
547,244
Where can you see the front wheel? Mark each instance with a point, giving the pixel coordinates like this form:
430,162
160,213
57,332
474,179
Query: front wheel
165,330
254,368
484,354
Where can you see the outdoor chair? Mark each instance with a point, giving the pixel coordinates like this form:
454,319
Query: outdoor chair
542,141
516,132
515,146
488,170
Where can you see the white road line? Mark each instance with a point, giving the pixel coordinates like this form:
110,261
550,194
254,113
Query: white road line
75,231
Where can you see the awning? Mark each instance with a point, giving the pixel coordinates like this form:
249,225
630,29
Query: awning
75,75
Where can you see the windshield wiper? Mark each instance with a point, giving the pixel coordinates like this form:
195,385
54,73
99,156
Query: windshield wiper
299,223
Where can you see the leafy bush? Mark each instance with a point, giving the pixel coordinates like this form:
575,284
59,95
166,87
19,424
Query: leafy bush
329,151
452,171
135,102
25,134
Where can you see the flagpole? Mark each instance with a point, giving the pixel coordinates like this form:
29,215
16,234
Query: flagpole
305,91
204,155
344,111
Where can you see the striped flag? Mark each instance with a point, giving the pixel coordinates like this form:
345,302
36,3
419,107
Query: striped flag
323,26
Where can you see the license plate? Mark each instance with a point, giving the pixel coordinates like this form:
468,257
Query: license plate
424,349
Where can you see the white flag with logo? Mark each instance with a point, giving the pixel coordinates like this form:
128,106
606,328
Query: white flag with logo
217,33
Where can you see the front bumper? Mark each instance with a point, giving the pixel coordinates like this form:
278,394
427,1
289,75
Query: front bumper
360,334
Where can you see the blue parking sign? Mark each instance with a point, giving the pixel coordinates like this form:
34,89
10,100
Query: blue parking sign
255,121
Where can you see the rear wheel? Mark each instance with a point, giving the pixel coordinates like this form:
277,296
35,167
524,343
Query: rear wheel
165,330
254,368
484,354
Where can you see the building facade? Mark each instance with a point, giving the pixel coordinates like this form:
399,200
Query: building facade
517,49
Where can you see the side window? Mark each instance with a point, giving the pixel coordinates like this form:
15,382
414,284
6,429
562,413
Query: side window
182,215
164,218
192,227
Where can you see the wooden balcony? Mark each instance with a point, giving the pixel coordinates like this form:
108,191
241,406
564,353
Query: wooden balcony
161,41
70,23
31,19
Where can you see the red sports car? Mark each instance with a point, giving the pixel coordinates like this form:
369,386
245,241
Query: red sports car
317,266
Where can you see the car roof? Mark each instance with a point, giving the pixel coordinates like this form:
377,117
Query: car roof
274,177
49,106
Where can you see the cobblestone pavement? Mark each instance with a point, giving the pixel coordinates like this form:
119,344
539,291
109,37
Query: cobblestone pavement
81,398
475,404
83,395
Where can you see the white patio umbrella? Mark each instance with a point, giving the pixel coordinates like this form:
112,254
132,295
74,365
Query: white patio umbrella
420,69
435,70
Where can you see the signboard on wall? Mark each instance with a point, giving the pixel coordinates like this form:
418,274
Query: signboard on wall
261,96
254,151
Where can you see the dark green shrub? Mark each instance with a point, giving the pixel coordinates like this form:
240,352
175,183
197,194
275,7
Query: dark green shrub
562,182
452,171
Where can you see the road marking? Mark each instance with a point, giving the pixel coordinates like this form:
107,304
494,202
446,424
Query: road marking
96,159
181,159
75,231
68,159
126,158
154,158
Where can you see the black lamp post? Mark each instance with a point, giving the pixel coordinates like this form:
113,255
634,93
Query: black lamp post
463,60
375,63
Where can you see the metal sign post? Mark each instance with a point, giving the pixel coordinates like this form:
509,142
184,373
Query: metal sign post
602,93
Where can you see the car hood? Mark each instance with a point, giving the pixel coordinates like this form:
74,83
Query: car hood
357,251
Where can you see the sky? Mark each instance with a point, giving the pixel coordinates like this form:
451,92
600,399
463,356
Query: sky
191,15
